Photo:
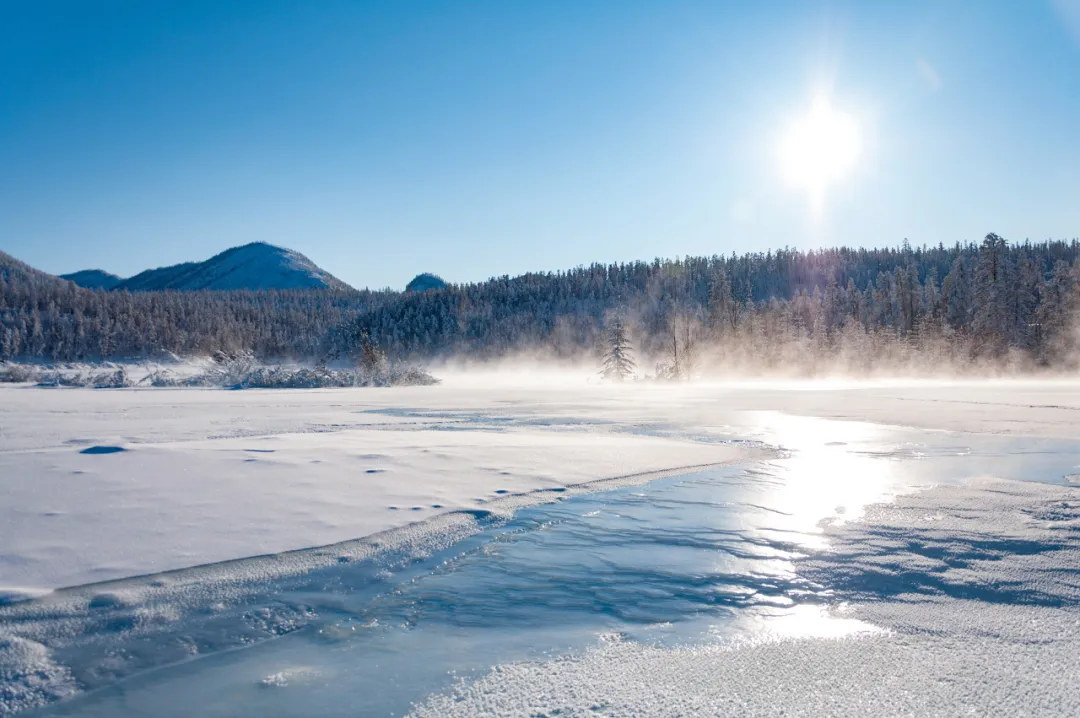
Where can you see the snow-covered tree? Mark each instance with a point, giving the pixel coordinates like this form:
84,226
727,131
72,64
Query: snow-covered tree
618,361
993,319
723,308
956,292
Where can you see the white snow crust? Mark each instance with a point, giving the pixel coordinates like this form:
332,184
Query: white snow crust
102,485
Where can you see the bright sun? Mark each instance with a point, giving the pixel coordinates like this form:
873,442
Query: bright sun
819,148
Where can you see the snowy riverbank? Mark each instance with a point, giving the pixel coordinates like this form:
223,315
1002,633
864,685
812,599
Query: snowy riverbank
105,485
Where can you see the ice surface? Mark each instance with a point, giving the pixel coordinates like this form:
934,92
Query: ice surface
976,588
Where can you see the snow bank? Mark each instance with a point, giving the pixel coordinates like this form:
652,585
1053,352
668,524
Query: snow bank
242,372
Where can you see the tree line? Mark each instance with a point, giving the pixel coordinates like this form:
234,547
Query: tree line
992,303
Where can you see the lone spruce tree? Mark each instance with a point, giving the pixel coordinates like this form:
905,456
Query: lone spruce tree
618,363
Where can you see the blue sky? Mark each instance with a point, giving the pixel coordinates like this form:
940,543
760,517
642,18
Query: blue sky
475,139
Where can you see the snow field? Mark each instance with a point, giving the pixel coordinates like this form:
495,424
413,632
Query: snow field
209,475
963,599
101,502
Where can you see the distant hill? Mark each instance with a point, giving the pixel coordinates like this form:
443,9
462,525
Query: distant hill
44,317
93,279
19,274
424,282
252,266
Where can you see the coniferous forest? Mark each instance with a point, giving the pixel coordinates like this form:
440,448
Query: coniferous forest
991,305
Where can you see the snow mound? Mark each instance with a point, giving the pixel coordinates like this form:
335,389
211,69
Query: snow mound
29,677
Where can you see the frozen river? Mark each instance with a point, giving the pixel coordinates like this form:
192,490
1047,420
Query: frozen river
569,607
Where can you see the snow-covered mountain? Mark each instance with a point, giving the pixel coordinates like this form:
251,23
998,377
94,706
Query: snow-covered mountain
93,279
252,266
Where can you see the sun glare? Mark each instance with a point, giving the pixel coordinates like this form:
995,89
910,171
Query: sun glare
819,148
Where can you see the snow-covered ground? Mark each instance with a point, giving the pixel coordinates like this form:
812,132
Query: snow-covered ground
101,484
128,483
98,485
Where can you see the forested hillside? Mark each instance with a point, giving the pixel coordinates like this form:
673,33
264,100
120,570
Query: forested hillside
989,302
994,302
45,317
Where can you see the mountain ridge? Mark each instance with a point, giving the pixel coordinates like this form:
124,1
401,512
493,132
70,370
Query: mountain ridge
253,266
93,278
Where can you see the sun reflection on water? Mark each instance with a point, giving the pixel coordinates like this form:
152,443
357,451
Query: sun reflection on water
825,478
799,621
